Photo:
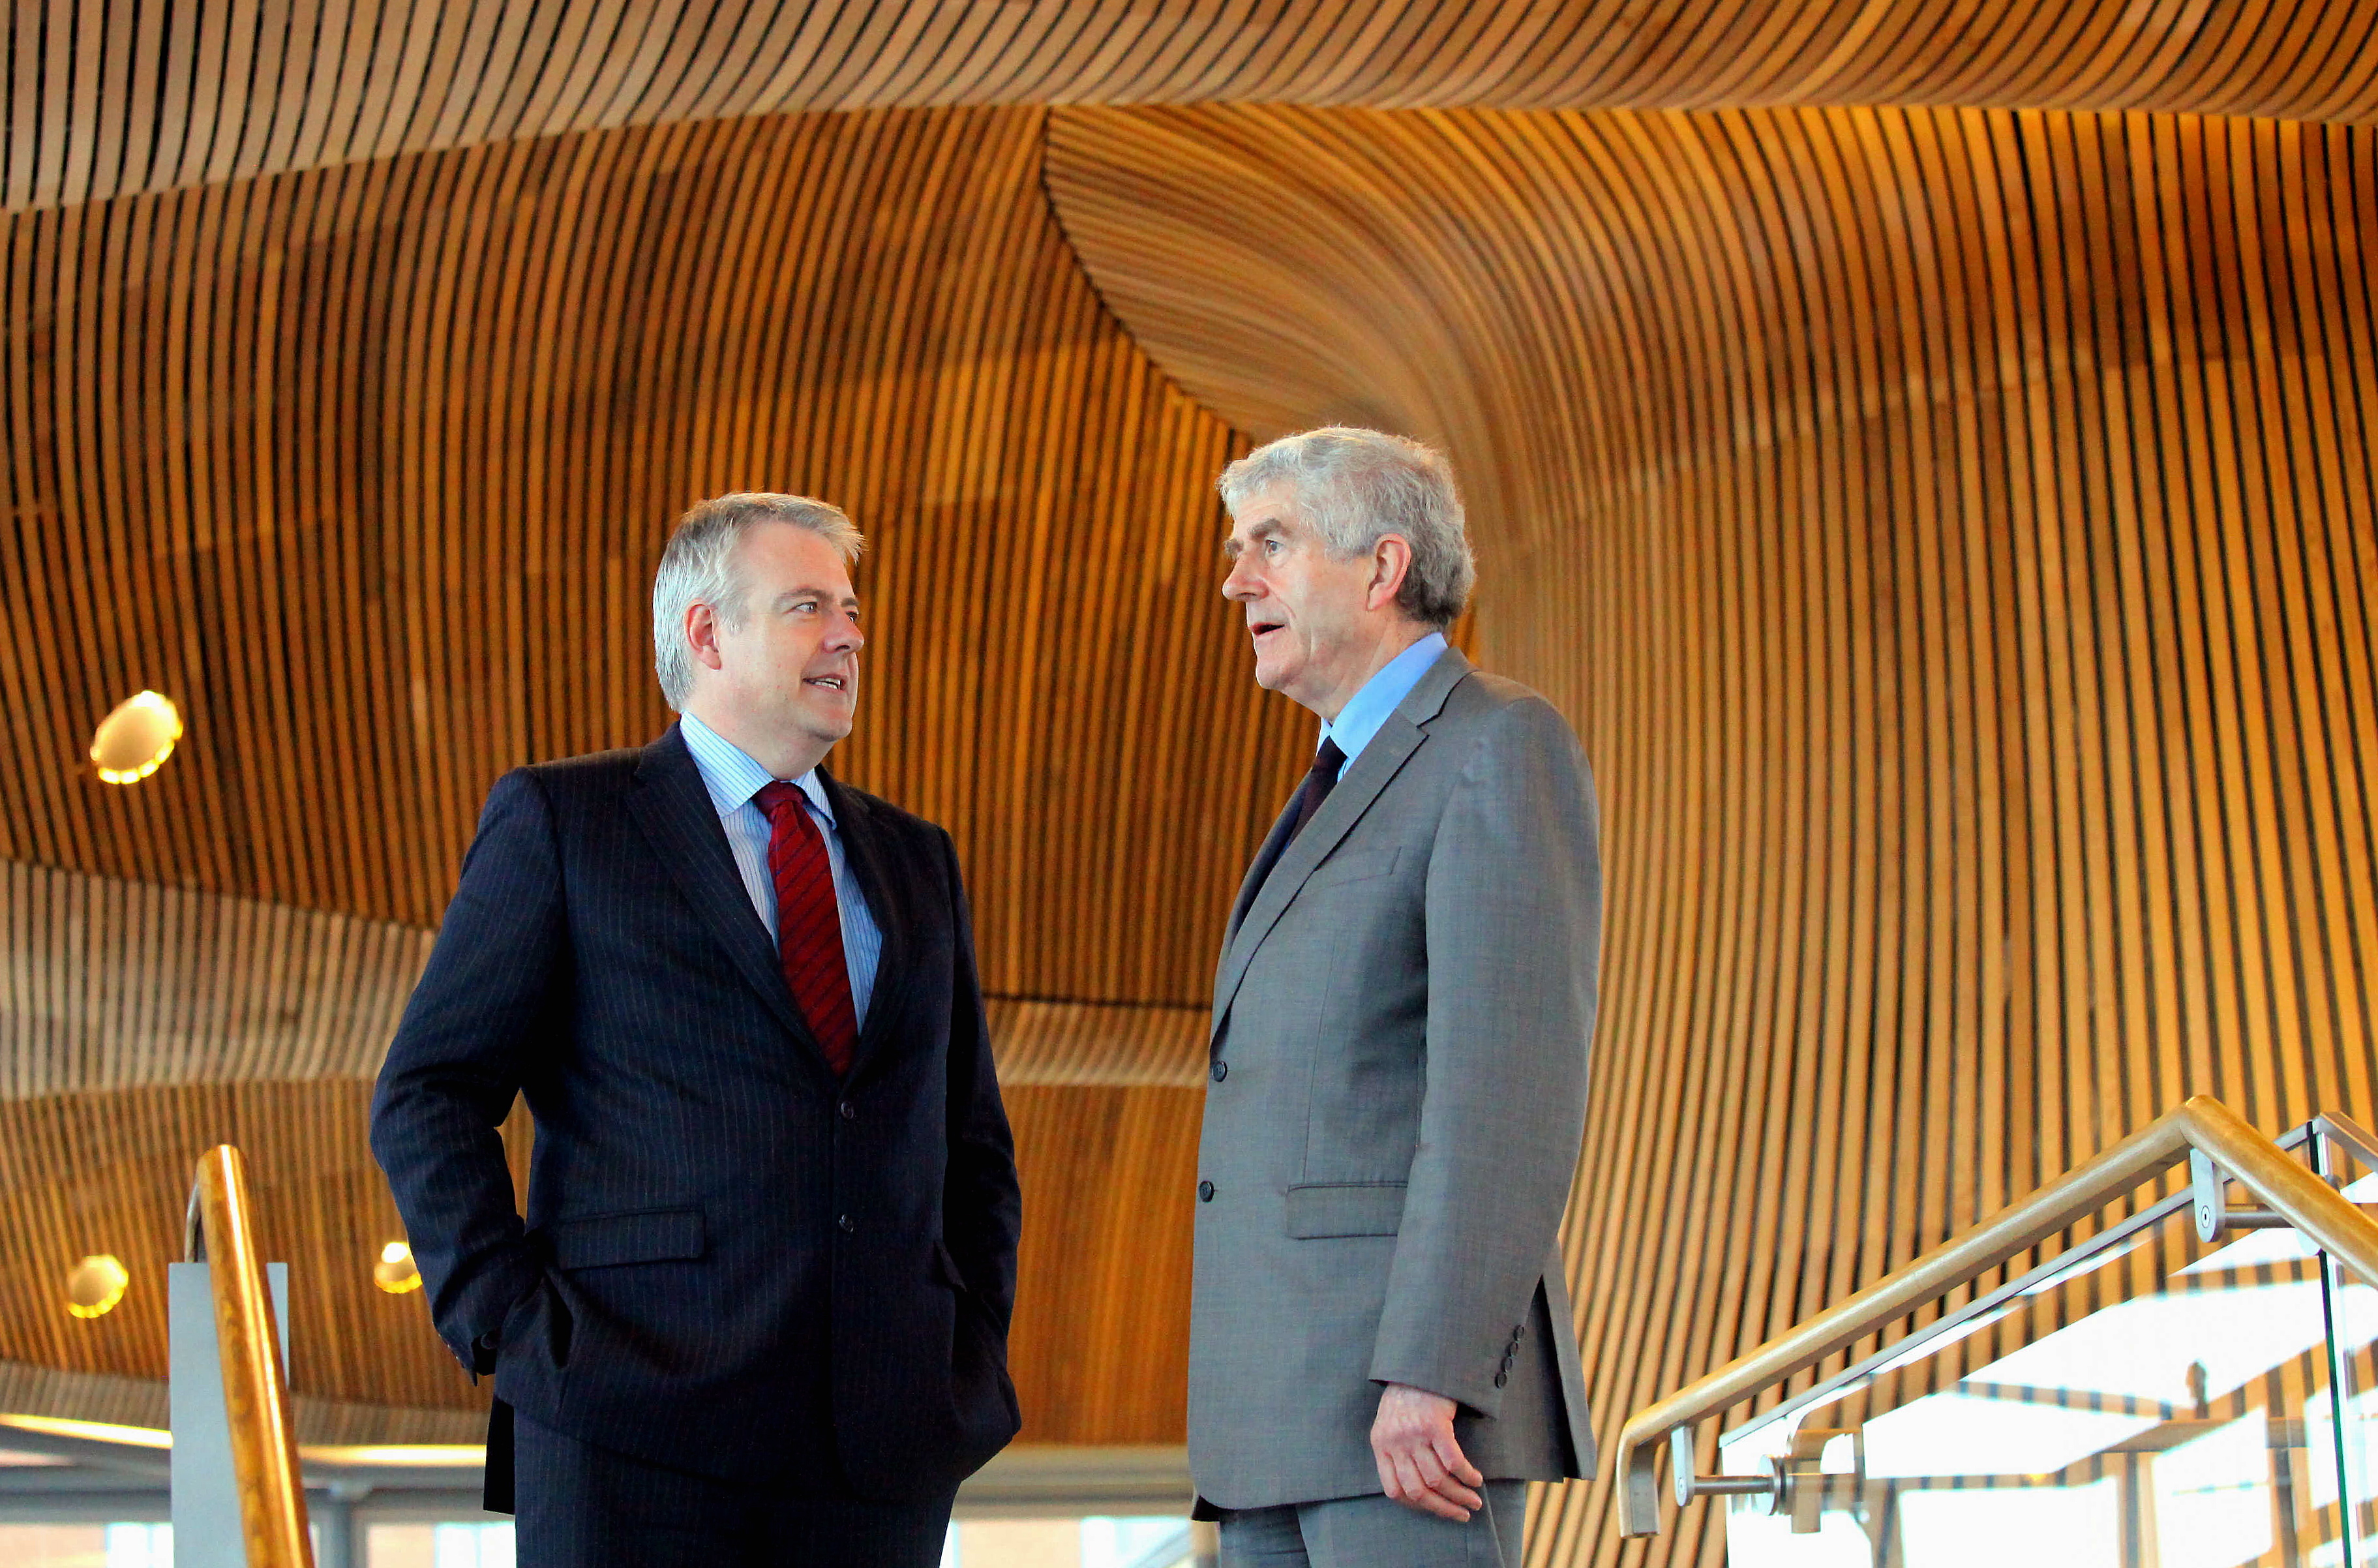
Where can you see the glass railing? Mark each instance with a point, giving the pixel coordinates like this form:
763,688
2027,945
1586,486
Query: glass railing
2195,1386
2351,1299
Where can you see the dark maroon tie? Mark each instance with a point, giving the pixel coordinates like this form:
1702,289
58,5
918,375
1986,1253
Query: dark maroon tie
1318,782
809,923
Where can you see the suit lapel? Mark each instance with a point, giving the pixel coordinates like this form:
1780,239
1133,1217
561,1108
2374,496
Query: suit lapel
1364,778
1369,774
863,844
669,803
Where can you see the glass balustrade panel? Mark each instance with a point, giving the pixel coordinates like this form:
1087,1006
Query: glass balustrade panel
2159,1404
2353,1305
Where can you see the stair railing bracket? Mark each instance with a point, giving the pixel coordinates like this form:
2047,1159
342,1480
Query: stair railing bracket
1774,1486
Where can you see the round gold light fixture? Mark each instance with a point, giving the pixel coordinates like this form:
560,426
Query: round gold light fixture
134,740
96,1284
394,1272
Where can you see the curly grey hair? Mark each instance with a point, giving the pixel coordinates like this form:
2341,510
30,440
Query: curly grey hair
699,567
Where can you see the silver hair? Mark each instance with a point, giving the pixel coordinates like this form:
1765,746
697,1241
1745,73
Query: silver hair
1356,486
700,566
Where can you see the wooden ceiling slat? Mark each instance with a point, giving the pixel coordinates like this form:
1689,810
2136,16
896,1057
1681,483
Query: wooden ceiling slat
40,633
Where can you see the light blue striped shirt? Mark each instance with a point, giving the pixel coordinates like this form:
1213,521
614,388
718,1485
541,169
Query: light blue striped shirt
1369,708
733,778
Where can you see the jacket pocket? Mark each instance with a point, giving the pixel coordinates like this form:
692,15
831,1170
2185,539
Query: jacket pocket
1360,1207
540,1318
1358,867
649,1235
971,1305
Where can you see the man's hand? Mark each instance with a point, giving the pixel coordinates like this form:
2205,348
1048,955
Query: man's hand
1420,1464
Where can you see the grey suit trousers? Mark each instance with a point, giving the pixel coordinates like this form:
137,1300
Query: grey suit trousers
1374,1532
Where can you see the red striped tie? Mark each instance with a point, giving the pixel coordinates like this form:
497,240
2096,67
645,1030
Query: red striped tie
809,923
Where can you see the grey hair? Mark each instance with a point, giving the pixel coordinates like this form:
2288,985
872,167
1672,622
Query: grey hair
698,566
1356,486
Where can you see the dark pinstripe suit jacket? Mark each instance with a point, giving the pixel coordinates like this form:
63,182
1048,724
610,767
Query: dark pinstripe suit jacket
732,1262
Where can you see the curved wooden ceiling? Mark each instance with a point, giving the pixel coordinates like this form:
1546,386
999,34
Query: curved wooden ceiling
1952,533
369,468
1920,445
113,101
109,984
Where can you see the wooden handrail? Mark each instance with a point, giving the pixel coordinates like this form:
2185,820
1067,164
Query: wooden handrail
220,1230
2254,1162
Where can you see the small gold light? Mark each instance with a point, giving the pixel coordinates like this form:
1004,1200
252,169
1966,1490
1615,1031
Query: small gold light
95,1286
134,742
394,1272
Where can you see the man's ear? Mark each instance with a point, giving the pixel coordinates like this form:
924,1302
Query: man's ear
702,635
1390,563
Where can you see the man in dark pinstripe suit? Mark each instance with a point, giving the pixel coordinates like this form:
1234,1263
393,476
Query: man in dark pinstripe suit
757,1311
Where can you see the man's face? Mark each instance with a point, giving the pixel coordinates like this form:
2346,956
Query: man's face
789,664
1307,612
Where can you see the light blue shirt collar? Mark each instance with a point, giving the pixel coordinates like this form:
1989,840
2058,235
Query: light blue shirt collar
1380,696
733,778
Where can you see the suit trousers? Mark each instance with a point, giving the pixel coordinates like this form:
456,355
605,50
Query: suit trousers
581,1506
1366,1532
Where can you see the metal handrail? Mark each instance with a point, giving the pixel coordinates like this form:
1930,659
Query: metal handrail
255,1398
2201,1126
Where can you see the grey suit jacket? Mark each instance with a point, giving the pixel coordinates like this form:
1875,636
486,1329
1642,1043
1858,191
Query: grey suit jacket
1396,1097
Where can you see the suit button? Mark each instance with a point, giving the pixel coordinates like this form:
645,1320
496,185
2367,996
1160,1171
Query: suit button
1221,1071
846,1224
1502,1379
1205,1192
849,1112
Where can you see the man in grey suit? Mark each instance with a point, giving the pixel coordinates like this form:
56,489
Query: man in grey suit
1381,1352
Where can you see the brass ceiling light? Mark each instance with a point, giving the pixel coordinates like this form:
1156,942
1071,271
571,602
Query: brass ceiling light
96,1284
134,740
395,1273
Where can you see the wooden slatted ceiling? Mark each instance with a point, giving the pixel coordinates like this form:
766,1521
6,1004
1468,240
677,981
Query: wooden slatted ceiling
108,984
1950,526
1099,1348
1952,532
369,468
107,101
